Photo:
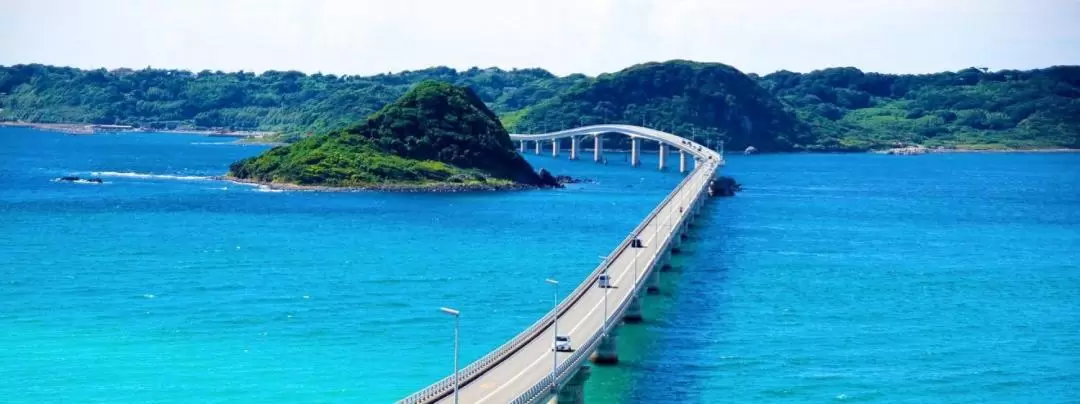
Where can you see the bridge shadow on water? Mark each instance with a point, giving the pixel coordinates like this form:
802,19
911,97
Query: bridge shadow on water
663,359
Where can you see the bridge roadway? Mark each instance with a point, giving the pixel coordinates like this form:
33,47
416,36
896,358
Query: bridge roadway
520,370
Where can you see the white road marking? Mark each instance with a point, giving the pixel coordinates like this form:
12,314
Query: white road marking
576,326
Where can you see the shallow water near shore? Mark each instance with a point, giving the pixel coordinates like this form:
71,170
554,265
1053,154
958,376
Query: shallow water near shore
865,278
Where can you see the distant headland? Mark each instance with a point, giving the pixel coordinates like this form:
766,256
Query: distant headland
840,109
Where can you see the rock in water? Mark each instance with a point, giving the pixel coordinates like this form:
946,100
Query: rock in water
80,180
724,186
566,179
548,180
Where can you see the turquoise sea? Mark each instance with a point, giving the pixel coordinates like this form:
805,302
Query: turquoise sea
944,278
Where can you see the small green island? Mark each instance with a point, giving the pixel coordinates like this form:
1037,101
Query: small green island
436,137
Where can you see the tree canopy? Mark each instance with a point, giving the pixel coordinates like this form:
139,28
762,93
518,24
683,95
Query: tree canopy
435,133
706,100
836,109
973,108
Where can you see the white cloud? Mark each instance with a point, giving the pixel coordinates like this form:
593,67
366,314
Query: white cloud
564,36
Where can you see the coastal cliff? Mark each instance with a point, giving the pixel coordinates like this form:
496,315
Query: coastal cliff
435,137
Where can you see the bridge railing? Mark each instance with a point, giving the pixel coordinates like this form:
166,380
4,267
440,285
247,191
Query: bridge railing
441,387
564,371
445,385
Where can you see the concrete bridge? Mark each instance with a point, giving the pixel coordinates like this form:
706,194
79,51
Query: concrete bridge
526,369
553,141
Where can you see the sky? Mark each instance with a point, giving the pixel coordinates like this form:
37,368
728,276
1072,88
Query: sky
562,36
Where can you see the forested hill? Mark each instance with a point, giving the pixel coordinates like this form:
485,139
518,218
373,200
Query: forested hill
831,109
972,108
277,101
436,135
707,100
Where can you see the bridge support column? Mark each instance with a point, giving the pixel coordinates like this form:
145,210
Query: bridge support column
652,283
665,258
633,310
682,161
573,148
635,152
537,147
598,147
554,147
606,352
663,156
572,391
521,147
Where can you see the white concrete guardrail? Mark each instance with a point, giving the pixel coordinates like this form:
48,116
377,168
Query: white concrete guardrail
543,390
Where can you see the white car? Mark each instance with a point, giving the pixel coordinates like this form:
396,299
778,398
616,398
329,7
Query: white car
562,343
603,281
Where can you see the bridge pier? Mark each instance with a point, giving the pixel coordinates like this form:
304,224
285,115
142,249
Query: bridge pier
652,283
633,310
663,156
665,259
537,147
676,239
554,147
572,391
521,147
682,161
635,152
573,147
598,147
606,352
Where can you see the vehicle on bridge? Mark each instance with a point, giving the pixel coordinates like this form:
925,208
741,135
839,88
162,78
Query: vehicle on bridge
603,280
562,343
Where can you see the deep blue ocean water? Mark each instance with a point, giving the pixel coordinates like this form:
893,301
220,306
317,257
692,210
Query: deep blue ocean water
855,278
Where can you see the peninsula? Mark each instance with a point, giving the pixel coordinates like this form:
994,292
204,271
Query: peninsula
436,137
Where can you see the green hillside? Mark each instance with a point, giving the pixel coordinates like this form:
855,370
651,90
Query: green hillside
434,135
972,108
837,109
709,100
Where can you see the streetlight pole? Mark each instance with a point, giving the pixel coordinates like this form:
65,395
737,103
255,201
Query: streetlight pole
604,327
457,317
554,341
635,271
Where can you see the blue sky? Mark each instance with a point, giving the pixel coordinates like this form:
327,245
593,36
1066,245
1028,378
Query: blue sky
563,36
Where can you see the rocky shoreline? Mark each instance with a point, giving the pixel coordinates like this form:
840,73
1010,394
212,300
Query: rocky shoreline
446,187
918,149
92,129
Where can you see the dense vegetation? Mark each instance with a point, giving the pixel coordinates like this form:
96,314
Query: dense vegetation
290,102
972,108
832,109
707,100
434,134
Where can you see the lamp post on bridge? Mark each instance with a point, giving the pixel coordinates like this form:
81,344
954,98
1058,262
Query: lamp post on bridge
604,326
555,339
457,317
